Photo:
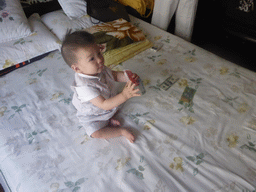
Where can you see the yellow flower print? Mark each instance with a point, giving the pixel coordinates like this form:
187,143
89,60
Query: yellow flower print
161,62
146,127
59,42
56,96
183,83
86,138
33,34
177,165
190,59
54,187
149,124
157,37
85,16
121,163
170,139
146,82
223,70
2,110
8,63
232,140
188,120
243,108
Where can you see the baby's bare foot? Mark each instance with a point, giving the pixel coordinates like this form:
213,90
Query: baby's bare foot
129,135
114,122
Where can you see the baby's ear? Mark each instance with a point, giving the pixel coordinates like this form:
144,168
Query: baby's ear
75,67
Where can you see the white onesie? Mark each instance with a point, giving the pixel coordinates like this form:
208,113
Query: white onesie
86,88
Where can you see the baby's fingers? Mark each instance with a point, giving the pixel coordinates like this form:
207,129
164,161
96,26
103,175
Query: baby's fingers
128,84
133,86
135,92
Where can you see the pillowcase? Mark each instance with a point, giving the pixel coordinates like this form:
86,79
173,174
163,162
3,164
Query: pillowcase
74,9
59,23
13,22
40,42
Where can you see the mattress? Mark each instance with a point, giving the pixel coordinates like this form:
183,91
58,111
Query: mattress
195,126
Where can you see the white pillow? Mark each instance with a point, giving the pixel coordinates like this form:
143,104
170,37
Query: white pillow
13,22
59,23
74,8
40,42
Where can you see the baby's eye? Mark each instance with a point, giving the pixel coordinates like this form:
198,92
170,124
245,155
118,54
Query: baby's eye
91,59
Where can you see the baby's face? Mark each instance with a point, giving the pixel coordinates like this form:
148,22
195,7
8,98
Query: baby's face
90,60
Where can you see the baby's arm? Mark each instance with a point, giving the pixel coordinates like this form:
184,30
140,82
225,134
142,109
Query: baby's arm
108,104
120,76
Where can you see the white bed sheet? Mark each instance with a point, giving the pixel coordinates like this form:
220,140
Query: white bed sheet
205,145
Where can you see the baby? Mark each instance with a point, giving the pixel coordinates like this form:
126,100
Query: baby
95,97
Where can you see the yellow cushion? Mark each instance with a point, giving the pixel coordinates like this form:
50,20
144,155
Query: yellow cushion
116,56
139,5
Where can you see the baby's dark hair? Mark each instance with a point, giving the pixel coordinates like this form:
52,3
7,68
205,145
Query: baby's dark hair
74,41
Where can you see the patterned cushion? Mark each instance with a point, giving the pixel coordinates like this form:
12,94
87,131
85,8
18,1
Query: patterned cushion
40,42
59,23
13,22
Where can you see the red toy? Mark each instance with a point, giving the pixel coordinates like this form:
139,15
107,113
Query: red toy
134,78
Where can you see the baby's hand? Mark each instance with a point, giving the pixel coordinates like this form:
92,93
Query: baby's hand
129,90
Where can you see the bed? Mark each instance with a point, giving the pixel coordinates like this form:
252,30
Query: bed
195,126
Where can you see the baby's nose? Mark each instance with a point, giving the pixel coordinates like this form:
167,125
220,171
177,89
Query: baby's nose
100,61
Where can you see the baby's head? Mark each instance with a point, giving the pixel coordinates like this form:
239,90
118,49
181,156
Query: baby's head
81,53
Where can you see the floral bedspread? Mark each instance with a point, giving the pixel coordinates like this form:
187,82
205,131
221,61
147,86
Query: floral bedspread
195,126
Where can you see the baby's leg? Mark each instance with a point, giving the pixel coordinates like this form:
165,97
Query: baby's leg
110,132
